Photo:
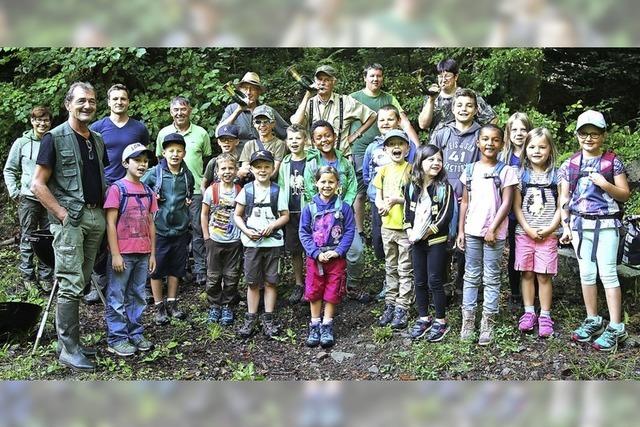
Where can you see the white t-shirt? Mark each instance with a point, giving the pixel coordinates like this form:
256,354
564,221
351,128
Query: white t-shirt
262,216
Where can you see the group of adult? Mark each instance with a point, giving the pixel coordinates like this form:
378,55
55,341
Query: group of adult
65,171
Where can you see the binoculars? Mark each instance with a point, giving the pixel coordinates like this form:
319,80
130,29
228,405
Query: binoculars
236,95
425,86
305,82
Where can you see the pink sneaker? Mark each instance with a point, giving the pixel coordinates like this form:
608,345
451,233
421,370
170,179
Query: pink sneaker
527,322
545,327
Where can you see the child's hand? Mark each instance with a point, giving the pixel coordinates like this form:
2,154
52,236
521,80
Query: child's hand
410,235
267,231
566,237
490,237
117,263
383,211
152,263
253,234
460,242
532,233
323,257
597,179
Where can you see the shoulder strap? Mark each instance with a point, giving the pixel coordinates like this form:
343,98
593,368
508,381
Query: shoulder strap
606,165
189,182
525,178
249,199
274,192
260,144
215,192
575,163
313,209
341,116
125,195
157,187
468,171
496,174
310,112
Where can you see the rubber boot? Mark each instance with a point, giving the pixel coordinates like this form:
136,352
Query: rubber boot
68,326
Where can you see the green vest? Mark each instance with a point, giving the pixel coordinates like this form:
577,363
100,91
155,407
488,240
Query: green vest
66,178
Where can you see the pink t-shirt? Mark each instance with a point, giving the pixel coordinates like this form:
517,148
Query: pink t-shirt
135,222
485,199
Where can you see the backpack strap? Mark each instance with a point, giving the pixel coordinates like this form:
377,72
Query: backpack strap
125,196
215,191
249,190
274,192
260,144
157,186
249,199
341,116
310,113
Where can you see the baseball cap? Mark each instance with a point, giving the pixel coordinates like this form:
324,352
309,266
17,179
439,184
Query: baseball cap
591,117
327,69
228,130
175,138
264,110
261,155
135,150
395,133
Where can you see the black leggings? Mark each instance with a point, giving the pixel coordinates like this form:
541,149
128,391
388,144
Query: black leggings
429,265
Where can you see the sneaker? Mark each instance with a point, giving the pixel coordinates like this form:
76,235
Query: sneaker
161,317
437,332
387,315
214,314
174,311
123,348
588,330
314,335
226,319
326,335
610,339
296,294
420,328
527,322
358,295
249,326
269,327
545,326
400,318
142,343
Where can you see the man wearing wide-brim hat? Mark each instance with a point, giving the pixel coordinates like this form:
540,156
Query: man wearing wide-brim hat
252,88
339,110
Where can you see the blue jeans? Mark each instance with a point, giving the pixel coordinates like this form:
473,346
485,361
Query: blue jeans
482,265
126,298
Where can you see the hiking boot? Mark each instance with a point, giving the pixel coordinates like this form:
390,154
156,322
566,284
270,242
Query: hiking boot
314,335
387,315
326,335
588,330
545,326
296,294
269,327
122,348
610,339
142,343
358,295
214,314
226,319
249,326
527,322
437,332
201,279
486,328
400,318
420,328
174,311
468,324
161,317
92,297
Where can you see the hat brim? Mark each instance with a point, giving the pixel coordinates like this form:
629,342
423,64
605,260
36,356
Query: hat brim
139,153
228,135
174,141
386,141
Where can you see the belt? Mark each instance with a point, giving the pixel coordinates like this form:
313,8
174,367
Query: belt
91,205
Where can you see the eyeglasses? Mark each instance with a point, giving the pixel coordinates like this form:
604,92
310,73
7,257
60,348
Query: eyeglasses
90,149
593,135
261,122
39,120
446,76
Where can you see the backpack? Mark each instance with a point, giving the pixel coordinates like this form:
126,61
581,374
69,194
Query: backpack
525,181
631,246
157,187
250,196
437,199
337,213
495,175
574,174
125,196
215,191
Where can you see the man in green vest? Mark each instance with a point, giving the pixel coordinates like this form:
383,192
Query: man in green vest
69,182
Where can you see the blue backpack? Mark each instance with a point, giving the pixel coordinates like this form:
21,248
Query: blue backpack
274,192
125,196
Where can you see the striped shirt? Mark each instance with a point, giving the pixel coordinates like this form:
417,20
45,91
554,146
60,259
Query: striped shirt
537,213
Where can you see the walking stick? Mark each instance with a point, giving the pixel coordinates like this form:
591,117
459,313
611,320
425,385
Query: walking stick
43,322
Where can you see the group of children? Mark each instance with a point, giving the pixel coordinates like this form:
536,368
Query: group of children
458,189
